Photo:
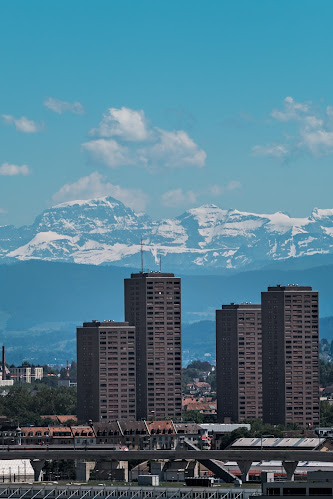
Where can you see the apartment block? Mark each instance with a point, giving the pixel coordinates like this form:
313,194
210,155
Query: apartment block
106,377
26,374
153,306
290,342
238,362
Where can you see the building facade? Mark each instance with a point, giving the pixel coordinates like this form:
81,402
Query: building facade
238,362
106,371
290,341
26,374
153,306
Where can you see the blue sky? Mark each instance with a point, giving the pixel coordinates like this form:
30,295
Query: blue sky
166,105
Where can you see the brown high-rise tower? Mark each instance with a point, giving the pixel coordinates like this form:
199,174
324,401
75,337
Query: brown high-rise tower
106,388
238,362
153,306
290,337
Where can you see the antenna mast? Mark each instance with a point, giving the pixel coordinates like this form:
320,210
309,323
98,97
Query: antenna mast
141,256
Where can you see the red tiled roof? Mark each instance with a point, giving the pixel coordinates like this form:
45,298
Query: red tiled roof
160,425
34,430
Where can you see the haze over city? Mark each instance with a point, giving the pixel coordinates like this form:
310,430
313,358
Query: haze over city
166,256
166,106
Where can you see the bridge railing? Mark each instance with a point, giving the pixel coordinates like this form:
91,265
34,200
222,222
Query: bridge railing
44,491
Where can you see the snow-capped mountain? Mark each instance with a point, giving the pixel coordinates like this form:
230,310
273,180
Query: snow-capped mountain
104,230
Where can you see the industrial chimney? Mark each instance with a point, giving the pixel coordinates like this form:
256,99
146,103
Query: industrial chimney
3,363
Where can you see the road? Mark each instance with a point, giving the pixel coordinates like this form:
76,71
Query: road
94,452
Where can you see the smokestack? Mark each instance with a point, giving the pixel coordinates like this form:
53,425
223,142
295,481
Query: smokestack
3,363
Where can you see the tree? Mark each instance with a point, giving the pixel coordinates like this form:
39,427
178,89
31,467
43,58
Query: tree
194,416
326,373
326,414
25,404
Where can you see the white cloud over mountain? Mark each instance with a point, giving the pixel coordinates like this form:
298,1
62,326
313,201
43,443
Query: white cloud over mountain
108,152
60,106
10,170
22,124
125,123
94,186
126,138
178,197
313,134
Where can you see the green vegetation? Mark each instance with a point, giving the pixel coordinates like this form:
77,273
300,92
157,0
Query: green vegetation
197,417
25,404
326,414
326,373
258,430
201,370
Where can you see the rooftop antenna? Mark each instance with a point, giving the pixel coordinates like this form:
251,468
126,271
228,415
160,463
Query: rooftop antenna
141,256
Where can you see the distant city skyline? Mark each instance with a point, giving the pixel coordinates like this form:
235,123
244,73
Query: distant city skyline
166,106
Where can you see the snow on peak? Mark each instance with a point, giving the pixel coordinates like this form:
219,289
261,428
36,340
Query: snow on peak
318,213
42,242
103,230
106,201
281,222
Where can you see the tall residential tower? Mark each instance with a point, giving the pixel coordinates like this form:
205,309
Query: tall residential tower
290,343
238,362
153,306
106,388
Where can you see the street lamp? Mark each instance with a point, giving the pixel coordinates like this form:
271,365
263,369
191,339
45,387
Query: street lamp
264,436
18,432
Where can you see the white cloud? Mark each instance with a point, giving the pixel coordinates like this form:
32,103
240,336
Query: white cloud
125,123
274,150
61,106
313,133
291,110
217,190
173,149
2,211
318,141
9,170
22,124
94,186
233,185
178,197
122,133
108,152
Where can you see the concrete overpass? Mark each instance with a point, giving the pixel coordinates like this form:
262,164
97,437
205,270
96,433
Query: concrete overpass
244,458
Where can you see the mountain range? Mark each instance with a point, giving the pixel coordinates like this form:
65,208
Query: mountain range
222,256
204,239
42,303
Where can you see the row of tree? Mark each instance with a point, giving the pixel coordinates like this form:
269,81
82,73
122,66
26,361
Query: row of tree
25,403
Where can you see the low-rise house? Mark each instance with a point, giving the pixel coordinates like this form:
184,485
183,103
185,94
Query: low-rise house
8,433
61,435
207,408
135,434
162,434
83,435
108,433
33,435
